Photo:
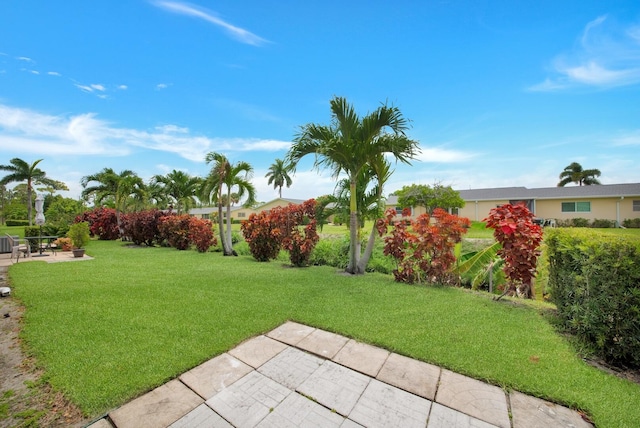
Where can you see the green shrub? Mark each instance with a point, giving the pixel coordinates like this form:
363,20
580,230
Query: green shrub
603,223
331,252
579,222
631,223
31,231
79,234
17,222
595,283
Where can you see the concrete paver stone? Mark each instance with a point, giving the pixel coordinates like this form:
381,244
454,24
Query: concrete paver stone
213,376
383,405
249,400
348,423
323,343
473,397
291,332
101,423
364,358
335,387
201,417
257,351
291,367
533,412
299,411
158,408
411,375
444,417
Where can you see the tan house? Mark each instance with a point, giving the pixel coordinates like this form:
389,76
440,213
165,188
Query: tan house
241,213
615,202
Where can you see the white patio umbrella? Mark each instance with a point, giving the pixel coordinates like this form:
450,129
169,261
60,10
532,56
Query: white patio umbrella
40,221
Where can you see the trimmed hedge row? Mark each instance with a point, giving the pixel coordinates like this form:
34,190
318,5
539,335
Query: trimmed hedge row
595,283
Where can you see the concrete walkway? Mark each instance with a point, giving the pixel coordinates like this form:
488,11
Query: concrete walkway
299,376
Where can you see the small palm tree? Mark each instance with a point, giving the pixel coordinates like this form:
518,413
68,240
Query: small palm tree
279,175
20,170
222,180
120,188
349,145
180,187
573,173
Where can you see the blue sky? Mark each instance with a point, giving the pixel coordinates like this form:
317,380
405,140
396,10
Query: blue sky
499,93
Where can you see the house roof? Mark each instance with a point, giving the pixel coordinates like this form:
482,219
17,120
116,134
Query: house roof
516,193
523,193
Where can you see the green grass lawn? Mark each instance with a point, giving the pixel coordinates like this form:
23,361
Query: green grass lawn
110,329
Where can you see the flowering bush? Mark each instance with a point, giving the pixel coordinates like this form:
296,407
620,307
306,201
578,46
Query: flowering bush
424,254
64,243
520,237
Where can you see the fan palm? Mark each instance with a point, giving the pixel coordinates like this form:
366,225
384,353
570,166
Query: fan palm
279,175
19,171
348,146
122,189
573,173
225,176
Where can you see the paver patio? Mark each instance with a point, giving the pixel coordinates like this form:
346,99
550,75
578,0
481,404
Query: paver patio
299,376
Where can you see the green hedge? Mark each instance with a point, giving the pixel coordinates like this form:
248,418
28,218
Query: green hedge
17,222
595,283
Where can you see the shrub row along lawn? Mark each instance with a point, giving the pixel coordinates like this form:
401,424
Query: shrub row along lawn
110,329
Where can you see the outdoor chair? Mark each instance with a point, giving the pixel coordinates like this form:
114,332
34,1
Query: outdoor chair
18,247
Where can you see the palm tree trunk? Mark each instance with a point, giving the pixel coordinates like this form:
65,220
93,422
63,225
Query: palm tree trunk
228,241
354,252
29,202
364,260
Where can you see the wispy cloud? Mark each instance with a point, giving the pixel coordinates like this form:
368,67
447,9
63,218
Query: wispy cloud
631,138
607,55
25,59
25,130
123,87
237,33
54,73
161,86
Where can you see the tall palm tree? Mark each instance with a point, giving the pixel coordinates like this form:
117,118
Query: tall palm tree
279,175
122,189
573,173
349,145
20,170
223,179
181,187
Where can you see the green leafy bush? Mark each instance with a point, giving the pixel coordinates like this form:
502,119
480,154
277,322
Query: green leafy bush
79,234
595,283
632,223
603,223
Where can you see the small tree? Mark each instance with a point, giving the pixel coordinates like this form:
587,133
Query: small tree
520,237
420,195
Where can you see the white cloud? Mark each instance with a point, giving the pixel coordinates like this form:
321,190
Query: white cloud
54,73
23,130
440,155
627,139
160,86
98,87
606,56
25,59
123,87
240,34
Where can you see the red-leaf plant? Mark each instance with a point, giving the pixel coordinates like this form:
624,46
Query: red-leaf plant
279,228
424,254
520,237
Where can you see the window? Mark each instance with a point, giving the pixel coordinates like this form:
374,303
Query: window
576,207
399,211
636,205
205,216
241,215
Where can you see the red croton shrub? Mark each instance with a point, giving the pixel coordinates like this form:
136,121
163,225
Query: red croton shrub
174,229
142,227
424,253
280,228
102,223
201,234
520,237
